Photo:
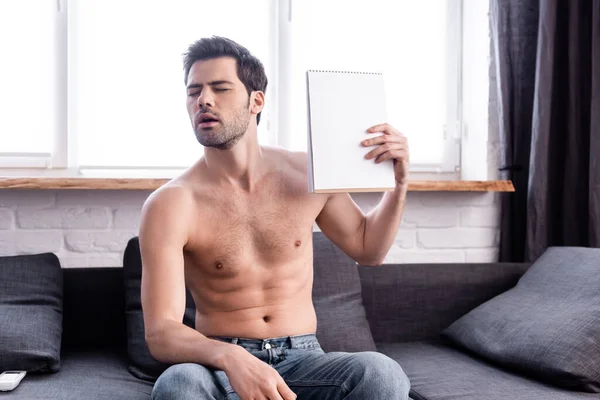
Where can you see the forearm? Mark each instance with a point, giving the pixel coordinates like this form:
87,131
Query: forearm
381,226
173,342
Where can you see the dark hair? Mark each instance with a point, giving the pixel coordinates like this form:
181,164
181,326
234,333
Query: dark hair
249,68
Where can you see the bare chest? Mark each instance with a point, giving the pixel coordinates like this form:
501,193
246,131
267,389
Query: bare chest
268,229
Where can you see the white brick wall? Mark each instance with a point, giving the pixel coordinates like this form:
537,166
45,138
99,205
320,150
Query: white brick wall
90,228
444,227
85,228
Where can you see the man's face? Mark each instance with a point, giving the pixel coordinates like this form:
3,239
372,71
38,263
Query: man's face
217,103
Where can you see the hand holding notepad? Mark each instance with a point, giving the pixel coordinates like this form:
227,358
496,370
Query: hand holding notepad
342,106
392,145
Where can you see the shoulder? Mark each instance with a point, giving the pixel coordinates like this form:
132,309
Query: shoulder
172,195
178,194
167,212
292,161
292,169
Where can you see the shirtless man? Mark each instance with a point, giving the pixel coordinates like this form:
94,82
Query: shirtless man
236,228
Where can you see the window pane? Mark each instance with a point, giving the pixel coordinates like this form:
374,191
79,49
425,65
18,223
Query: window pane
404,39
27,75
129,86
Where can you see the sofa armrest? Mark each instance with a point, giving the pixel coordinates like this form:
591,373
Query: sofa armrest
413,302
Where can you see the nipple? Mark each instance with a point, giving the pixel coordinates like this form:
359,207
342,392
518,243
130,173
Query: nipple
298,243
219,265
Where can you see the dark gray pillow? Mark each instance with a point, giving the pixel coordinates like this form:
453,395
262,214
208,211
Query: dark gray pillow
341,318
31,299
141,363
547,326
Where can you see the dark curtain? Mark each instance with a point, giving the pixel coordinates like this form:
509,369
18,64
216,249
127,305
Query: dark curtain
547,57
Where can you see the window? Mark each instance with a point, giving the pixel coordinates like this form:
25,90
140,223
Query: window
411,42
98,85
28,79
128,77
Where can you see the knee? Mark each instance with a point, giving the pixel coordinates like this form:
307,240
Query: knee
383,375
177,381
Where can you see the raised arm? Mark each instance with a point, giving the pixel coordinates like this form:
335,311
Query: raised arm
368,238
365,238
164,229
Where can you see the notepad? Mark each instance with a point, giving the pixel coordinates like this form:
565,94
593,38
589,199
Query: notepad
342,105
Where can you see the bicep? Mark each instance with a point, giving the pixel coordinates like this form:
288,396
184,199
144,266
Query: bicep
163,235
342,221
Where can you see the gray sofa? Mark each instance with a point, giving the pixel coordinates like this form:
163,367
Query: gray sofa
406,306
409,305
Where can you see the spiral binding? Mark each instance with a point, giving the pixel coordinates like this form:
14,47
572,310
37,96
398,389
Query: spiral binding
346,72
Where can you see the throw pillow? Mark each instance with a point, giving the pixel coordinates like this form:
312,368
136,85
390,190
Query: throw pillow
547,326
337,295
141,363
30,313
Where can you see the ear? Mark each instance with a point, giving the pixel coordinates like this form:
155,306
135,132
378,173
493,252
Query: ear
257,102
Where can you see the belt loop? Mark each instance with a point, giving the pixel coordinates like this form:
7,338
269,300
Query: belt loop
234,340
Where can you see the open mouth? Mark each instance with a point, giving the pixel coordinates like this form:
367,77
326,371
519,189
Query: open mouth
207,120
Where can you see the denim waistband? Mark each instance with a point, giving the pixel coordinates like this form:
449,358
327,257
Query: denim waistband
308,341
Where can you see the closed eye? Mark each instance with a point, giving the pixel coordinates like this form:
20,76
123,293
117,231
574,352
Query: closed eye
193,94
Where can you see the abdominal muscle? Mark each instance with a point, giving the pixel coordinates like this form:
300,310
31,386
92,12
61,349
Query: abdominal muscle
247,307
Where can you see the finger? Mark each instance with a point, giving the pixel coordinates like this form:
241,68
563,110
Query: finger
385,128
384,139
273,395
400,155
285,391
384,148
271,391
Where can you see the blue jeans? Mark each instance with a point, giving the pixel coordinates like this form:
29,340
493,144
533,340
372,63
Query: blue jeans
306,368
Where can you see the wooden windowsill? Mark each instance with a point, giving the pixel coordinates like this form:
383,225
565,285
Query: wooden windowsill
151,184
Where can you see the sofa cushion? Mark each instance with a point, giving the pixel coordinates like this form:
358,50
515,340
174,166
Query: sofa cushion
548,325
84,375
30,313
341,318
142,364
439,372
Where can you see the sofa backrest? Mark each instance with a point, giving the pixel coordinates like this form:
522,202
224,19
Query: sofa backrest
414,302
93,309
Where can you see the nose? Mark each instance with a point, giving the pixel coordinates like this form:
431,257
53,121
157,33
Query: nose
205,99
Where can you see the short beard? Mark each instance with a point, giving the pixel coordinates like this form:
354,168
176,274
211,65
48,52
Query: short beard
227,136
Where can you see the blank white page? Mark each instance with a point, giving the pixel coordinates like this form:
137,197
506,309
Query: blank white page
342,106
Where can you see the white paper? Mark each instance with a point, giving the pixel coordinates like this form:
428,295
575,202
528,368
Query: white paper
342,106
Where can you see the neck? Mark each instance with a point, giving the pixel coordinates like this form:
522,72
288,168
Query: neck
242,166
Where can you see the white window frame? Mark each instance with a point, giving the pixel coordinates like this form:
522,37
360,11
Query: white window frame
63,160
453,126
57,158
453,129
